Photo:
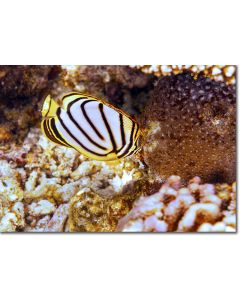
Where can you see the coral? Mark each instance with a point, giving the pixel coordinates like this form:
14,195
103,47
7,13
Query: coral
175,207
11,199
44,179
10,189
41,208
58,220
216,72
188,124
86,212
12,217
94,213
190,128
199,213
18,153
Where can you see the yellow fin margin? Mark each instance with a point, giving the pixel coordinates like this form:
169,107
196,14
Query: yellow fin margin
49,108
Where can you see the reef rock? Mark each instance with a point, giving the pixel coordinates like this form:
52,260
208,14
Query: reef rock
21,91
125,87
21,82
90,212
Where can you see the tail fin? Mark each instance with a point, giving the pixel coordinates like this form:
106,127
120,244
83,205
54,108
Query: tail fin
49,108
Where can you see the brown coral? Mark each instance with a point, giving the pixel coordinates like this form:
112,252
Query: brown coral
191,127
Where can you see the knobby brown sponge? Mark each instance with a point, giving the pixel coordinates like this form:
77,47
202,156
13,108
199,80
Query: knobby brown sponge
190,128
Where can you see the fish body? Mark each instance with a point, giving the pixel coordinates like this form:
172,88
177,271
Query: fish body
91,126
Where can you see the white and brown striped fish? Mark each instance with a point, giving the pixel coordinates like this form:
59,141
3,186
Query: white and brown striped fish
92,126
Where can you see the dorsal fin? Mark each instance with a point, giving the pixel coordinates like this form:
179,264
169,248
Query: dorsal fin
67,99
49,108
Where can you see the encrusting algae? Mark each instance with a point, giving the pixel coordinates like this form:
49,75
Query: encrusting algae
49,188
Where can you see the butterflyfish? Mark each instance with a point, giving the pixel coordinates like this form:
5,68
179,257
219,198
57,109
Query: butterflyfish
91,126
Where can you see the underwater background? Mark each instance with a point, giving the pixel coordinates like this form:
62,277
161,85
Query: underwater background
183,180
